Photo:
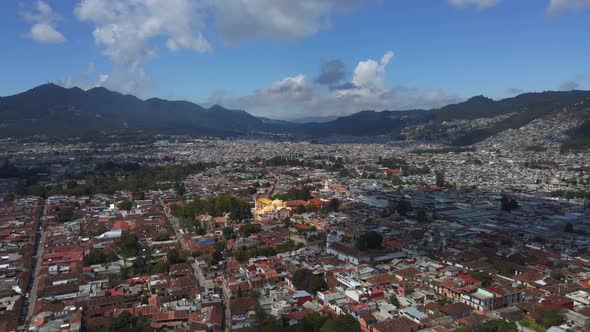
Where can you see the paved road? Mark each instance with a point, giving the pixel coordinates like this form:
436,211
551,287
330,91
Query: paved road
227,297
196,269
40,237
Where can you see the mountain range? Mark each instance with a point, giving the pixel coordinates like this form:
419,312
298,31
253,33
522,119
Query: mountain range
50,110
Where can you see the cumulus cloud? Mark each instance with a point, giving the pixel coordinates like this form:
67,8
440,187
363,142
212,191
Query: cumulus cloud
129,31
476,3
134,81
127,28
369,73
558,6
331,72
44,20
296,97
237,20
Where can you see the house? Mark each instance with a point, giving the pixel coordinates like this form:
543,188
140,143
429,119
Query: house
302,296
347,254
242,312
399,324
456,310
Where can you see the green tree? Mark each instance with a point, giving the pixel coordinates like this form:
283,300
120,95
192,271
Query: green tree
485,278
65,214
309,281
313,322
300,209
287,222
99,256
130,323
421,216
163,236
128,244
228,233
499,325
334,204
508,203
394,300
553,317
249,229
342,323
162,267
403,207
9,198
369,240
440,178
125,205
173,256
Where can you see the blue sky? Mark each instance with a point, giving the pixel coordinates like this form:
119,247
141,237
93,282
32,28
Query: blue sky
265,56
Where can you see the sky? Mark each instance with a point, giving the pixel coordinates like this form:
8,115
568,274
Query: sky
293,59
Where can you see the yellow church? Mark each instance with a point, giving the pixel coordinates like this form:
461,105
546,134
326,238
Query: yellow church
267,209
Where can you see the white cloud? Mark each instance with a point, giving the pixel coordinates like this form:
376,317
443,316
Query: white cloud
369,73
238,20
129,30
558,6
296,97
44,21
134,81
476,3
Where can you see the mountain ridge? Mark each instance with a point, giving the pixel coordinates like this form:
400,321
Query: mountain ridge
50,110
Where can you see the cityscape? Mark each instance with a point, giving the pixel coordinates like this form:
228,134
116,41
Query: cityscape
120,211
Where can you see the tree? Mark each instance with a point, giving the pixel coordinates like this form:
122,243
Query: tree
308,280
569,228
311,208
553,317
508,203
65,214
162,267
403,207
163,236
440,178
173,256
228,233
394,300
499,325
216,257
485,278
287,222
369,240
249,229
128,322
334,204
180,189
99,256
300,209
128,244
421,216
139,195
264,321
125,205
342,323
9,198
